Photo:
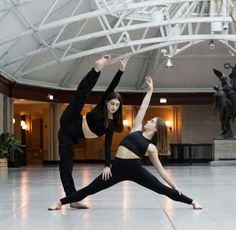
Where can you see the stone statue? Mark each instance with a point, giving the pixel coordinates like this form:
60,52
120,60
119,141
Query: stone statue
232,75
223,104
225,100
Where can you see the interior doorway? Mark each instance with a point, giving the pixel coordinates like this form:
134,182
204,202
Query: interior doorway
30,119
34,155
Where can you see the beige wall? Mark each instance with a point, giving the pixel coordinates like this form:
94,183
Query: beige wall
190,124
200,124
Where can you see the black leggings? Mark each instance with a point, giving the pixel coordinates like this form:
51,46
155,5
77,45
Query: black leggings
71,130
127,169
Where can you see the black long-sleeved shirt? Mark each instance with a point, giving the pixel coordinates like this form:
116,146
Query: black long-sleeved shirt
95,119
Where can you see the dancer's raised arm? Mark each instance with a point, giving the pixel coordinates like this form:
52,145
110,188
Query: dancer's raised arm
137,125
109,100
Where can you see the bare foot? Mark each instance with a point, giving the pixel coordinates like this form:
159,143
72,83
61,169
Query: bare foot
78,205
56,206
196,205
100,63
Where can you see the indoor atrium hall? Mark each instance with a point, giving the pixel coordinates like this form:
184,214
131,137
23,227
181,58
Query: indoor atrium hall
117,114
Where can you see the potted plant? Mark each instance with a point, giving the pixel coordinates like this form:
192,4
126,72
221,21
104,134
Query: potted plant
7,145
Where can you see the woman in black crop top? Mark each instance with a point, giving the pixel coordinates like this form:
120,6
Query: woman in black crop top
105,118
127,164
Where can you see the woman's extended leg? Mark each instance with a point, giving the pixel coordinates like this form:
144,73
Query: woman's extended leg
73,110
97,185
146,179
75,107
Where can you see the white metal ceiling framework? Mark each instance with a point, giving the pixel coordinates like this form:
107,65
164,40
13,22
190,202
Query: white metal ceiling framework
128,27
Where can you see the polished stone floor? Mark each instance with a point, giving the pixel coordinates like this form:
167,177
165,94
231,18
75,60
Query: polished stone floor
26,193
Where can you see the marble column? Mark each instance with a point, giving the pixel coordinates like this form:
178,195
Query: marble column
53,127
1,113
6,114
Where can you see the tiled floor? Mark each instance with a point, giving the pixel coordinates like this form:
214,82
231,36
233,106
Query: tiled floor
26,193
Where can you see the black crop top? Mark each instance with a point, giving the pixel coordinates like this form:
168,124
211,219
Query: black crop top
95,119
136,143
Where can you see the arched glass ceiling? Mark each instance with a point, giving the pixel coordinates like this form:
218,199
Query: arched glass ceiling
40,34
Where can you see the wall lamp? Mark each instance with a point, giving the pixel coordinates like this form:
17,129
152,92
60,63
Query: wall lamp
23,124
126,123
168,124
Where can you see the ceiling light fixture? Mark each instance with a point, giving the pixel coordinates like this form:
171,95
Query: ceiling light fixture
212,45
169,63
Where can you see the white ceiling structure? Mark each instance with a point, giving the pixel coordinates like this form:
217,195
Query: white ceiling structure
53,43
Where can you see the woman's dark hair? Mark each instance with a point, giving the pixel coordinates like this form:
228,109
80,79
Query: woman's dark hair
160,139
117,116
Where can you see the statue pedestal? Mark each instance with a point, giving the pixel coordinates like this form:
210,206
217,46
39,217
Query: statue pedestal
224,153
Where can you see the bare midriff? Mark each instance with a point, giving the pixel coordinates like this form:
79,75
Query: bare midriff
125,153
86,130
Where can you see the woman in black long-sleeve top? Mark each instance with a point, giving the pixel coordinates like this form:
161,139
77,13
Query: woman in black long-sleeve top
105,118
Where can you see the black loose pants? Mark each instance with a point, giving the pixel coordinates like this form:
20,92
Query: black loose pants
71,130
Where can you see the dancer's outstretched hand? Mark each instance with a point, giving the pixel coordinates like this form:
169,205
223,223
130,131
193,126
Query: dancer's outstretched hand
178,190
123,63
106,174
149,82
